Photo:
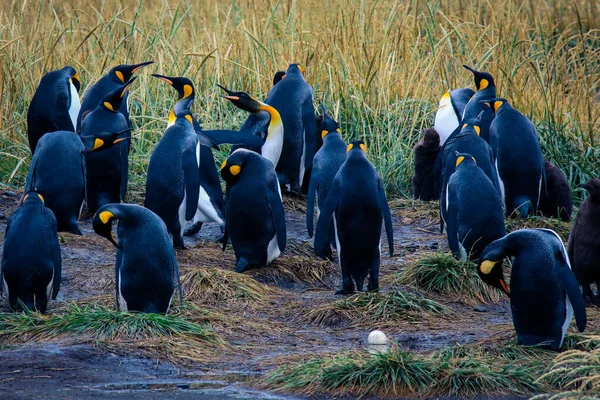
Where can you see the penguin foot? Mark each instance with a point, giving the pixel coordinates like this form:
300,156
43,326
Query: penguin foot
242,265
192,230
344,291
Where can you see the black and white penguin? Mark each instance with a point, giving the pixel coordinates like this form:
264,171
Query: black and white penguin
486,91
519,159
358,206
113,80
173,181
55,105
544,293
326,165
555,197
425,185
474,213
146,267
584,251
107,171
450,111
31,261
58,172
255,215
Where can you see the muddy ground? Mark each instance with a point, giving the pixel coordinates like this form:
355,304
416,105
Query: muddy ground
276,331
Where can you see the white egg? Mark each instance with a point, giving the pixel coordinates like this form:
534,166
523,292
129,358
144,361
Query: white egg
377,338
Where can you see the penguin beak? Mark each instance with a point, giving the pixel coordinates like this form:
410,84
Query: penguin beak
164,78
229,92
137,67
232,98
122,139
470,69
504,287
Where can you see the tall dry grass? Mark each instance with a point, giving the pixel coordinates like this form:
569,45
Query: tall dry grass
381,65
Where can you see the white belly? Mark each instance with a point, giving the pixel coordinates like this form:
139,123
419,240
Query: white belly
206,210
446,120
273,250
501,184
568,317
75,105
302,169
182,209
122,302
49,287
337,240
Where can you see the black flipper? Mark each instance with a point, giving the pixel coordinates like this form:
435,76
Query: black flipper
310,135
176,272
571,286
387,216
31,174
240,138
57,262
118,283
226,231
310,201
124,161
84,171
278,213
329,207
191,177
452,223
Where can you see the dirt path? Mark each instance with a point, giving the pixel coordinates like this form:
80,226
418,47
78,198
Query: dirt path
277,329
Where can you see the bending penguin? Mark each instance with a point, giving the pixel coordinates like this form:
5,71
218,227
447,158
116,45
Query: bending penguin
326,165
358,206
31,261
58,170
113,80
107,171
450,111
55,105
540,271
255,215
584,252
474,213
146,267
519,158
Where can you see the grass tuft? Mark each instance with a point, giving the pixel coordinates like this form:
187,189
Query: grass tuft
290,270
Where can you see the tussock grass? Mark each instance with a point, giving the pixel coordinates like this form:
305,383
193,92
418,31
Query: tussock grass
375,308
292,270
443,274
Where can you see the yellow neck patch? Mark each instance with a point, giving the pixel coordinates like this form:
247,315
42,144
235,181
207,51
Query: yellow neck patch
224,164
465,125
477,129
487,266
119,75
97,143
497,105
235,169
349,147
459,160
109,106
338,130
189,118
105,216
41,198
187,91
323,133
172,117
483,84
301,68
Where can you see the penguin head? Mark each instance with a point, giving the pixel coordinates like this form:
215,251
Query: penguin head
124,72
103,219
184,86
490,265
232,167
182,117
244,101
295,69
326,124
482,79
113,100
279,75
464,159
357,147
73,77
431,139
497,104
592,186
472,125
103,140
33,197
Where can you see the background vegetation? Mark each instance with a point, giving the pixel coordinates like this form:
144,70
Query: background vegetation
381,65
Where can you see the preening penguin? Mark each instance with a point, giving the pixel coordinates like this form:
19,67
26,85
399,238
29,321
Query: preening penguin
425,185
58,170
107,171
486,91
519,158
358,206
31,261
450,111
55,105
584,251
555,198
279,75
326,165
173,181
544,293
116,77
146,266
255,215
474,213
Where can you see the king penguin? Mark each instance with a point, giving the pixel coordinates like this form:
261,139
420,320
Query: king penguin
255,215
116,77
31,261
544,293
450,111
584,251
107,171
58,172
474,211
146,267
519,158
358,206
326,165
486,91
55,105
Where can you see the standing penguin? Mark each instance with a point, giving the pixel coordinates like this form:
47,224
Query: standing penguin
107,171
544,294
279,75
54,106
519,158
255,215
58,172
358,205
173,182
555,198
326,165
425,185
486,91
450,111
116,78
473,209
584,250
31,262
146,266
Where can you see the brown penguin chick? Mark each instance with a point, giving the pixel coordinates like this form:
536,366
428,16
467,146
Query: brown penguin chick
584,242
555,198
424,186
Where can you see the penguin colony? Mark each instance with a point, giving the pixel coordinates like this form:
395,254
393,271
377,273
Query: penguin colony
482,160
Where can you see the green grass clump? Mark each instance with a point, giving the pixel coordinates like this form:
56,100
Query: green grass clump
575,370
368,307
443,274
